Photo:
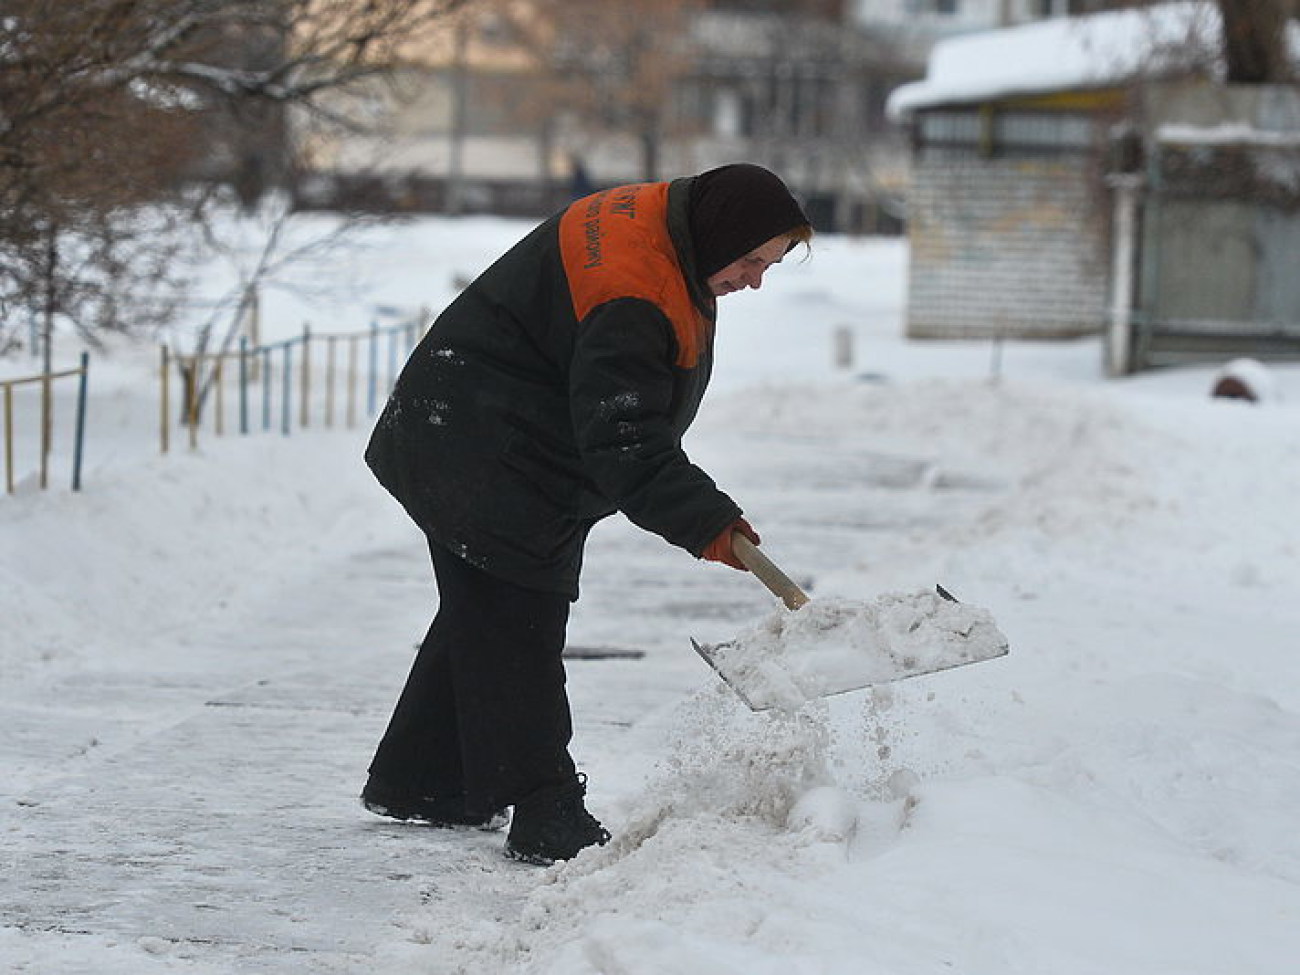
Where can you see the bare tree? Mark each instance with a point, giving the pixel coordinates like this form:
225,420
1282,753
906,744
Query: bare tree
611,66
111,106
1255,47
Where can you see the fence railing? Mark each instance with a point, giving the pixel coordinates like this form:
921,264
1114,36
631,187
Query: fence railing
44,439
316,378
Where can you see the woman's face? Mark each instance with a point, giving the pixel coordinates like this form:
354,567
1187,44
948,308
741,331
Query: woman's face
748,271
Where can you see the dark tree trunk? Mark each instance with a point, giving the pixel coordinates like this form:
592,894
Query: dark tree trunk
1254,40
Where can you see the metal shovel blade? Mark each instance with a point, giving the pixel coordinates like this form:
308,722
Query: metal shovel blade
711,655
834,646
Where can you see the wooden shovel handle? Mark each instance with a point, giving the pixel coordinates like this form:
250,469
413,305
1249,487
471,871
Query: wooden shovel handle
778,583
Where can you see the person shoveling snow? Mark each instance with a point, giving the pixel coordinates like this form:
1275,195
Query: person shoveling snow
554,391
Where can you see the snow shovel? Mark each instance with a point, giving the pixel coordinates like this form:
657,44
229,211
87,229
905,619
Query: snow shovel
817,648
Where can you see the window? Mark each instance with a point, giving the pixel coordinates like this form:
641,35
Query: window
1066,8
1041,130
949,128
986,132
729,115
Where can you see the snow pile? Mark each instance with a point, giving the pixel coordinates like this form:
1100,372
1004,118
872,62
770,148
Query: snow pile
740,800
835,644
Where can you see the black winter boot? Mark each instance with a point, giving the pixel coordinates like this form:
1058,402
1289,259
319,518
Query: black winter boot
383,800
553,824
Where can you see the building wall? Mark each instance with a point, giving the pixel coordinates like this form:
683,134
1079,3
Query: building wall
1004,247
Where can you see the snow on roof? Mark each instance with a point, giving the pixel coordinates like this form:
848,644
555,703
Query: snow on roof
1064,53
1229,134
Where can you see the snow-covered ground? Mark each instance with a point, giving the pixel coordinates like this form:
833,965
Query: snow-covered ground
200,651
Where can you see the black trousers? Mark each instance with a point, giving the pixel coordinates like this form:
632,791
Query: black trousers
484,713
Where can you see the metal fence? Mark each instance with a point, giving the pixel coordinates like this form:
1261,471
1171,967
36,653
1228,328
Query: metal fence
44,385
316,379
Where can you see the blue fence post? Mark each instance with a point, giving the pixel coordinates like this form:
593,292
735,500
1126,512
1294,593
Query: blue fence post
243,385
286,407
78,444
266,387
372,382
392,357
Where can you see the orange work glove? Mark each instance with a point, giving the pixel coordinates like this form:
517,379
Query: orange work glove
719,550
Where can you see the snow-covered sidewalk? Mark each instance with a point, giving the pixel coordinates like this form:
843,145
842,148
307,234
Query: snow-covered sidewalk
187,786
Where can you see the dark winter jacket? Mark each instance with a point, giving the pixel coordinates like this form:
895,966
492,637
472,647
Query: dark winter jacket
556,389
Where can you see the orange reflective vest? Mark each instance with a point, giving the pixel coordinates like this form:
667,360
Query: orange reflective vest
616,244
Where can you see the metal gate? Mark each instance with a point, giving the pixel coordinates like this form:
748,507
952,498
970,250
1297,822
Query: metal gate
1215,266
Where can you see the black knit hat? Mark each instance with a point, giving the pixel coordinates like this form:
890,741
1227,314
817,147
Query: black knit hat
734,209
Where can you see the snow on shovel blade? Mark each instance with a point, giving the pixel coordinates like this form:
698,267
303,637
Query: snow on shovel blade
833,645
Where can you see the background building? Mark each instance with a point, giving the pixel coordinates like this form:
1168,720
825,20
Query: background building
1096,175
526,102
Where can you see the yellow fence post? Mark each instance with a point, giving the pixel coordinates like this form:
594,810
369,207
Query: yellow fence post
192,403
330,343
219,401
304,414
352,380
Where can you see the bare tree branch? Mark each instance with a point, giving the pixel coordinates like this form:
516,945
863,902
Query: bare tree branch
107,106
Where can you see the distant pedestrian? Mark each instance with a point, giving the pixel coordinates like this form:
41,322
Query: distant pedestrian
580,183
554,391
